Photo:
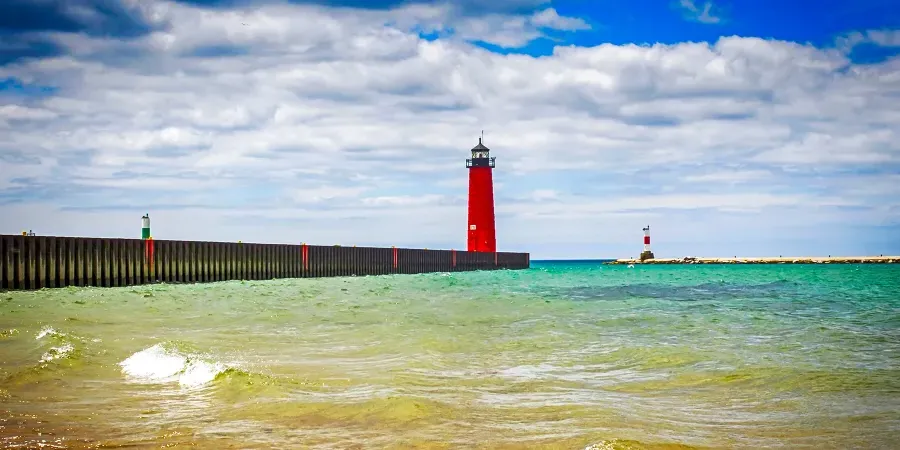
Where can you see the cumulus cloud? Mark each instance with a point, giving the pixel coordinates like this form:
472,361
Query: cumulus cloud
301,122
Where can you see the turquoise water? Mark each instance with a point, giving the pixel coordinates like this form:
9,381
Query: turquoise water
564,355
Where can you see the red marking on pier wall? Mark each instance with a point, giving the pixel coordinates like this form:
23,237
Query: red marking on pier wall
148,252
305,252
396,259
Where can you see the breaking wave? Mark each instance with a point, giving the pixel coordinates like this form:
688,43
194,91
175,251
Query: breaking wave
164,364
64,348
61,351
624,444
49,331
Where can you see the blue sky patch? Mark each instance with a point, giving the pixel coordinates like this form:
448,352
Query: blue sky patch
14,86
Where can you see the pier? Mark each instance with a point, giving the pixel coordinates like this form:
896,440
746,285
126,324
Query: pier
35,262
766,260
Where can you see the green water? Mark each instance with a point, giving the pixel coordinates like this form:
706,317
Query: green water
561,356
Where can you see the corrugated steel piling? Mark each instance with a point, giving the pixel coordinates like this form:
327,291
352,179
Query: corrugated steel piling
35,262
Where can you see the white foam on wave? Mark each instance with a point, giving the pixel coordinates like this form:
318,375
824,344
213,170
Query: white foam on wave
153,363
47,330
57,352
602,445
198,373
156,364
529,372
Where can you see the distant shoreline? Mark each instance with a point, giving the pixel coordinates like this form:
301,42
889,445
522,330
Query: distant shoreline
766,260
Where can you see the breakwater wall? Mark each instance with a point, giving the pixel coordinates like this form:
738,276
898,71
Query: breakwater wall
768,260
34,262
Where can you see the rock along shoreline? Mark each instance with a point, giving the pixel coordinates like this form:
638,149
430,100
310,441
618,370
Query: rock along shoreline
765,260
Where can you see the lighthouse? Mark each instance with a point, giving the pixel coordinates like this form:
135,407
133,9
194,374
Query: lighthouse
646,254
482,235
145,227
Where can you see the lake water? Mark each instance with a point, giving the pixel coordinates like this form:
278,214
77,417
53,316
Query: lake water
562,356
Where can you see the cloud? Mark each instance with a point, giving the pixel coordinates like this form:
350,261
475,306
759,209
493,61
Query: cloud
468,7
325,193
111,18
870,46
539,195
702,14
883,38
572,208
549,18
339,125
407,200
11,113
29,26
500,29
107,28
729,177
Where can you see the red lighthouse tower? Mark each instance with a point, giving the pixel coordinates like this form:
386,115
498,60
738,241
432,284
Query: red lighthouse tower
482,235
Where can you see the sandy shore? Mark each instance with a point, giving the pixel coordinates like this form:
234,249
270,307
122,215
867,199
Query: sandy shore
768,260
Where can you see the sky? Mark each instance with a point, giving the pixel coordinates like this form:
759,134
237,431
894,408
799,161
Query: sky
732,128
